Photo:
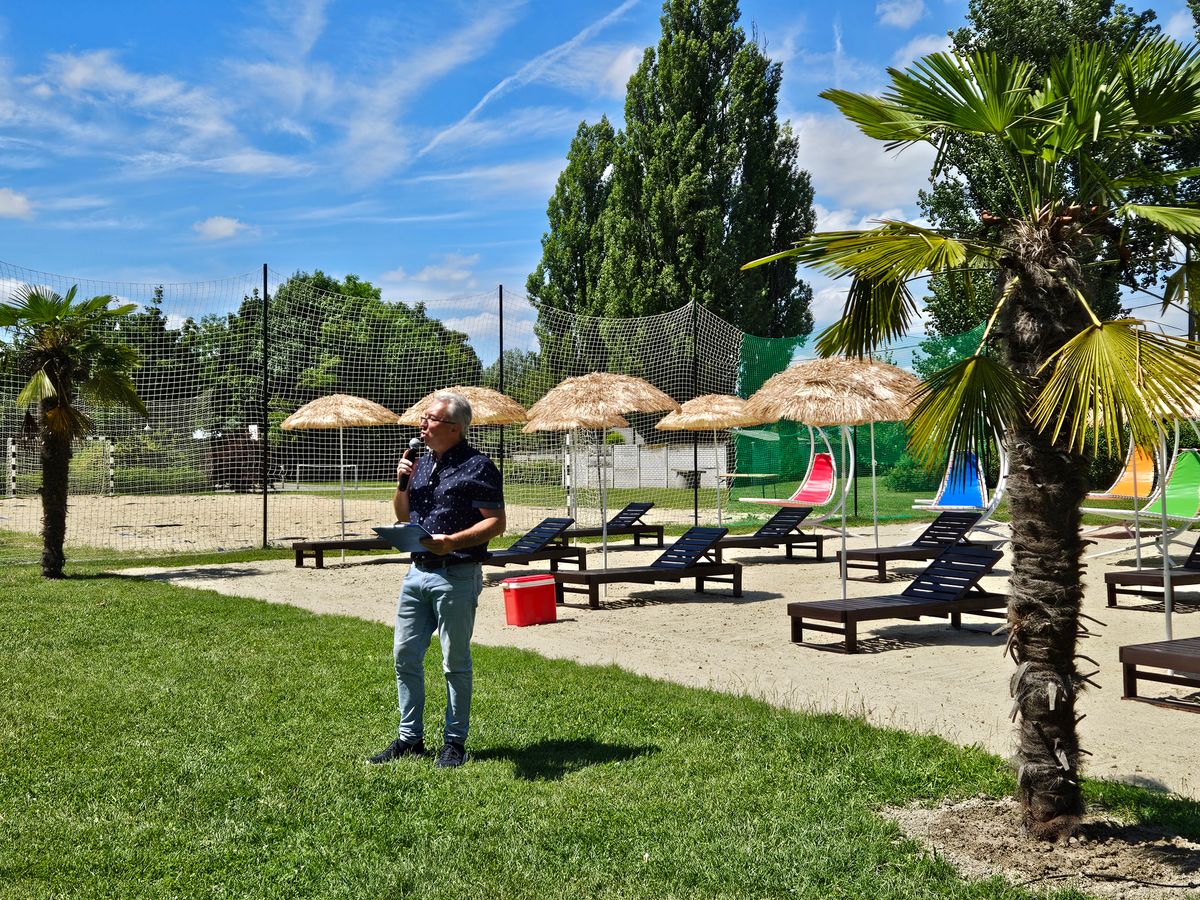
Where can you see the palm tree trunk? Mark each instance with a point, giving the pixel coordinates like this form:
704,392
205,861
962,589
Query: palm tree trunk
1046,484
56,465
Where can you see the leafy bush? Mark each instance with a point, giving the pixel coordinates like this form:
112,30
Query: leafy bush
532,471
154,480
614,437
909,475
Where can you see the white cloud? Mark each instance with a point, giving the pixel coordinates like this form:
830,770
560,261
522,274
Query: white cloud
900,13
531,71
532,177
599,68
853,220
851,171
452,275
14,205
516,126
218,228
1181,26
922,45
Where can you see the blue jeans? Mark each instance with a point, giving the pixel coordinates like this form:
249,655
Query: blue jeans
441,600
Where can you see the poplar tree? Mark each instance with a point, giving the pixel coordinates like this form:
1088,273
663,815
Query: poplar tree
702,177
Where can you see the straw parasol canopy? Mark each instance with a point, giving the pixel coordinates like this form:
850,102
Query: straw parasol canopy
338,411
836,391
488,407
710,412
594,401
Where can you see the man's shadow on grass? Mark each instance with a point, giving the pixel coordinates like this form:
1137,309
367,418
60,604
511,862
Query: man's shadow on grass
553,759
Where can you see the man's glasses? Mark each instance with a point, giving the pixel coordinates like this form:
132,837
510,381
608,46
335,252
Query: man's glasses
425,420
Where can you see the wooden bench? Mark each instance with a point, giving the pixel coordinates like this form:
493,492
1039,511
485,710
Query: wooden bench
1181,656
1122,582
943,589
316,549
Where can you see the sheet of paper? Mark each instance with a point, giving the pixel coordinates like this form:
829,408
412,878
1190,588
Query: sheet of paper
405,538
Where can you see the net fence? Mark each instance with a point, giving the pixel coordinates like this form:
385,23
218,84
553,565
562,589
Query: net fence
220,370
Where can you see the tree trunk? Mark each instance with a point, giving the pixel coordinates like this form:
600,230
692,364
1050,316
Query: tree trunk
56,465
1046,486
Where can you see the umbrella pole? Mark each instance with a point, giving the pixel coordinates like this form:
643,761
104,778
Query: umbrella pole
342,479
1168,588
717,480
874,500
844,474
1137,531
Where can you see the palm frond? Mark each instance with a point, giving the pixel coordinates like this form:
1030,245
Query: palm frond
963,405
877,118
877,310
69,421
109,386
895,249
39,387
1183,285
1161,81
1179,219
1114,374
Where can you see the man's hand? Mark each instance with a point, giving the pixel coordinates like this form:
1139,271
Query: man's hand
404,467
438,544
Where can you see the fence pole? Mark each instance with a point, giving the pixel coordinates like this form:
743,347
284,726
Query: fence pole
695,393
264,437
500,294
854,428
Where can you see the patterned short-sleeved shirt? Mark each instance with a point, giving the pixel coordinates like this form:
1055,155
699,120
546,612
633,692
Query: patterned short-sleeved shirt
447,494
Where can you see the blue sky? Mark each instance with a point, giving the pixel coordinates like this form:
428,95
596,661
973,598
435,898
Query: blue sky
413,144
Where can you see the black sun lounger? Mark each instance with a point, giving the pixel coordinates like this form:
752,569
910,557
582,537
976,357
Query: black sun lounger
947,529
1132,582
693,555
1181,659
943,589
780,530
542,543
627,522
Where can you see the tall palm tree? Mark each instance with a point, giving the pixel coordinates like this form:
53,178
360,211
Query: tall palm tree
70,354
1047,369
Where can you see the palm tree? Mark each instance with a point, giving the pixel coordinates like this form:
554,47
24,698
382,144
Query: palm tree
1047,372
70,355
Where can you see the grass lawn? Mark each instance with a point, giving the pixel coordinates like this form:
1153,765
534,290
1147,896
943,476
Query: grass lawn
164,742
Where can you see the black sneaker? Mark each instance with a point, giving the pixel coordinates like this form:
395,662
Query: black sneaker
451,756
398,748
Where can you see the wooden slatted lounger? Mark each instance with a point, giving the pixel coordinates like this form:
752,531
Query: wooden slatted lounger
943,589
1180,656
780,530
947,529
1119,582
545,542
316,549
627,522
692,556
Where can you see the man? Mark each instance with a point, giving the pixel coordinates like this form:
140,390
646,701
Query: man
455,493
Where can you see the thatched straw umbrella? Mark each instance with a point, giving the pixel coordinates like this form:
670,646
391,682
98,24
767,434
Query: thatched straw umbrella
339,411
597,400
839,391
710,412
488,407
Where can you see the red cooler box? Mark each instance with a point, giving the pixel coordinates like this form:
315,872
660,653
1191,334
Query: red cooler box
529,600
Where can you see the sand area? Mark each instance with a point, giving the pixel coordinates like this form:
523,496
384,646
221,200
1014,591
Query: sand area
924,677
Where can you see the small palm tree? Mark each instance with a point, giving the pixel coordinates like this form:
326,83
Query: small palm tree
70,354
1047,369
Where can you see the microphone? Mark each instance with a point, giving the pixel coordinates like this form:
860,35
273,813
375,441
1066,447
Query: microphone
414,447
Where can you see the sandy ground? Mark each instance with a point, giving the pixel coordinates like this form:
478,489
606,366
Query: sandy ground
923,676
189,523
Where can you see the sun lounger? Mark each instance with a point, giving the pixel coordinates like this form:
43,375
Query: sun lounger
627,522
781,530
943,589
545,542
316,549
947,529
1122,582
1180,657
692,556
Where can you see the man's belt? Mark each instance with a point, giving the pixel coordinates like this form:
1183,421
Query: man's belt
431,561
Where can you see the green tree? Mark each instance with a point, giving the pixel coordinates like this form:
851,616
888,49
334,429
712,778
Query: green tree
702,174
975,181
1047,366
71,357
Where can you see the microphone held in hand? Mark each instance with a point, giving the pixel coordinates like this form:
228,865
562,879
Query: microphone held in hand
414,447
